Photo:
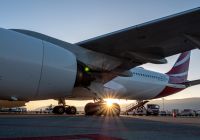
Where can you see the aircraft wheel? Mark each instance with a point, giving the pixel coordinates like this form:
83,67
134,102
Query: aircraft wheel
71,110
58,110
92,109
112,111
116,109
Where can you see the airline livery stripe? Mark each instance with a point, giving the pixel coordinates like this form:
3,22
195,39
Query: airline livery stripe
180,74
181,68
183,60
182,56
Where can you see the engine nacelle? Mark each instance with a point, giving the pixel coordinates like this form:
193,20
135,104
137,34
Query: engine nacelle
32,69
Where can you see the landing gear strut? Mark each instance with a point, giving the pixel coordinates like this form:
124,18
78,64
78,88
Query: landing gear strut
63,108
100,107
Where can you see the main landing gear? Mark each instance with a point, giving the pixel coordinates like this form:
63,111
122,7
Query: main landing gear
100,107
62,108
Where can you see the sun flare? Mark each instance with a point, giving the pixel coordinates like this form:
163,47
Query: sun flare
109,103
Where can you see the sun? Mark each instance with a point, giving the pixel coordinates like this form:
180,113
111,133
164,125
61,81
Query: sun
109,103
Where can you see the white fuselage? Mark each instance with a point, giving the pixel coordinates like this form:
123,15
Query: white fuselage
144,84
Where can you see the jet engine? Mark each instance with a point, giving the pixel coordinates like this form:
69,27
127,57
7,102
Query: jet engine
32,69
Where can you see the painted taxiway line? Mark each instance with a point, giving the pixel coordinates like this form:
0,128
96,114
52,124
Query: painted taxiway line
68,137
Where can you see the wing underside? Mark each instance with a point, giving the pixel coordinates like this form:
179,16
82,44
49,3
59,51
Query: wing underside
150,42
153,40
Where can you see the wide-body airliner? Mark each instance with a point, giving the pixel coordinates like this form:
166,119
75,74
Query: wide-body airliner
35,66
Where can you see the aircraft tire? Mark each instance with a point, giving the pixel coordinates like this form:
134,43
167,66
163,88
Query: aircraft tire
91,109
114,111
70,110
59,110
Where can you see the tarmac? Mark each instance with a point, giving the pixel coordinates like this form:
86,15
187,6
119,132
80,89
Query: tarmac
64,127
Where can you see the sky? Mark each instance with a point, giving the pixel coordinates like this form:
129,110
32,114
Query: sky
77,20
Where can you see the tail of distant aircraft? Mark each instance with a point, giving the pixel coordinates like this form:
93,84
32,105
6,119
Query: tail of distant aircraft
179,72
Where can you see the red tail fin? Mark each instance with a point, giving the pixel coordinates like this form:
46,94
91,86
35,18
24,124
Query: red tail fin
179,72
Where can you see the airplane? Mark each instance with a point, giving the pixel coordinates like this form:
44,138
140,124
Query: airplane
35,66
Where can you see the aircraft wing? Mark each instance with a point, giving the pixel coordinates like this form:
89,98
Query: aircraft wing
151,41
